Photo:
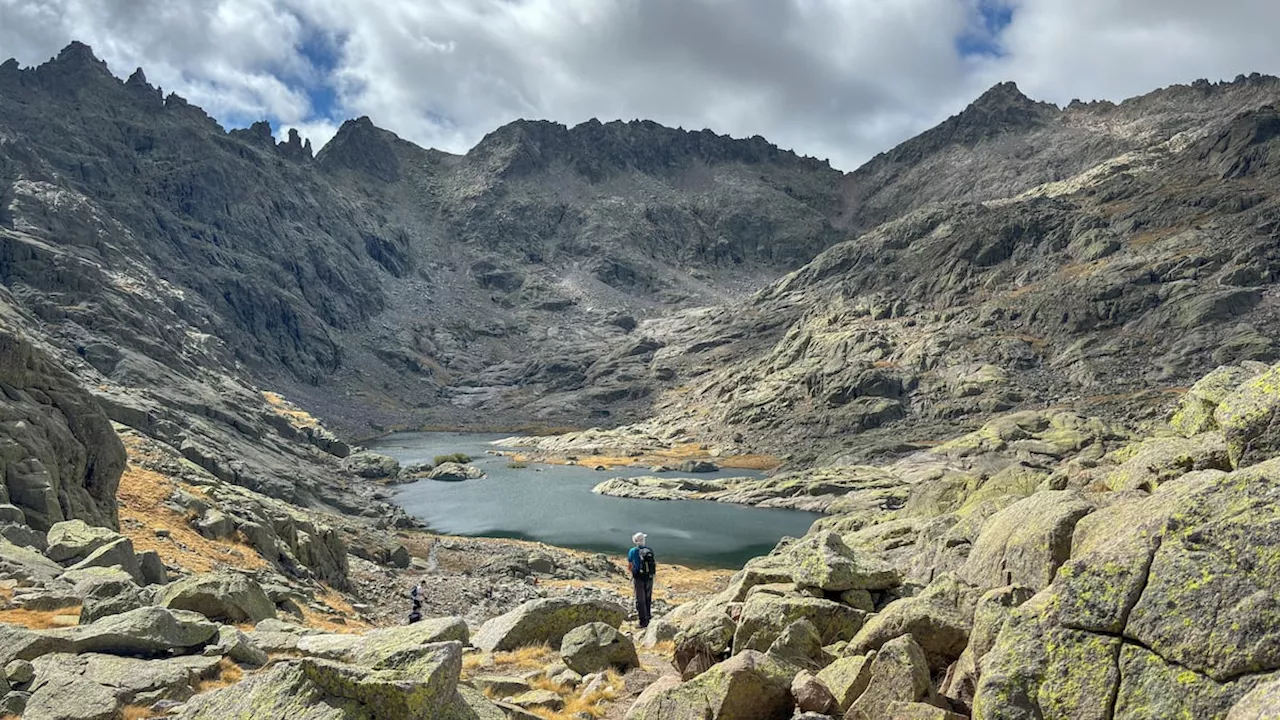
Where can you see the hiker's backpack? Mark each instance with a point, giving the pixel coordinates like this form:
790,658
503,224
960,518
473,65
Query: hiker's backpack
648,566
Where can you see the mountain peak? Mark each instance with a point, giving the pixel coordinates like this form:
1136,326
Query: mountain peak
364,147
75,69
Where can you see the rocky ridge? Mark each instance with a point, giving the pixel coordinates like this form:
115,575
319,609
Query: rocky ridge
1105,291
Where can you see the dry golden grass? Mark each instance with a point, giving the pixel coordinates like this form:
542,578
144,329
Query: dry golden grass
473,663
229,674
534,656
676,453
296,416
341,619
577,703
750,461
666,649
136,712
37,619
674,583
141,498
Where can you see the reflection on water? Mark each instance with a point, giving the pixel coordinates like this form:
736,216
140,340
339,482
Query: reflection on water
555,505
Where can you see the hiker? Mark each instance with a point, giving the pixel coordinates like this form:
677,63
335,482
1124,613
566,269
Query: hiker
643,568
415,595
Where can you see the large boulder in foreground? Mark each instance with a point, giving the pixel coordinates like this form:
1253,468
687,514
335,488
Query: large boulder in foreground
899,672
1025,543
940,628
375,646
98,686
846,678
748,686
764,617
598,646
544,621
146,632
1166,609
823,561
423,684
227,596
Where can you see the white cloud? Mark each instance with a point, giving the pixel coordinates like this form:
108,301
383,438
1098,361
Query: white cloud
833,78
1113,49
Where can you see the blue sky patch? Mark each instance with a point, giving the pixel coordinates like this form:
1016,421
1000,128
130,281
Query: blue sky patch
322,50
982,38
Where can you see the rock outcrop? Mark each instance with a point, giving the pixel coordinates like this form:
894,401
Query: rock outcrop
544,621
59,457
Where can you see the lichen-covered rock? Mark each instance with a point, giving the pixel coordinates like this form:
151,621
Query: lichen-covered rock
899,673
104,591
145,632
1160,612
800,645
78,686
1196,408
1248,419
764,617
19,672
375,646
1262,703
234,644
544,621
1149,464
748,686
538,700
919,711
71,541
314,689
227,596
650,695
992,609
455,472
659,630
598,646
811,695
846,678
941,629
371,465
1025,543
118,554
501,685
822,560
152,567
14,702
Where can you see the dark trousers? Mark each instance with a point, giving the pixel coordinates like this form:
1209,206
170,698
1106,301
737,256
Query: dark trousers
644,598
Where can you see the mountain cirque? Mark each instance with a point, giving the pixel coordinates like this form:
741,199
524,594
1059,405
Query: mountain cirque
1023,363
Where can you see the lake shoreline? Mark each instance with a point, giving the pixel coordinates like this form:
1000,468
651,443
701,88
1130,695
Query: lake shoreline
522,498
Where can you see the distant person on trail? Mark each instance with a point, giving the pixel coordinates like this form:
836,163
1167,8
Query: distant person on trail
643,568
415,595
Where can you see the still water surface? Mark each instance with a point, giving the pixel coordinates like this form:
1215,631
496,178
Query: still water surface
554,504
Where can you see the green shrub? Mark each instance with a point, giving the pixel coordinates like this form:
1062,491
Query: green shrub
460,458
517,466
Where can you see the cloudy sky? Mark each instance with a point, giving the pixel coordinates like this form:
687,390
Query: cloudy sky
836,79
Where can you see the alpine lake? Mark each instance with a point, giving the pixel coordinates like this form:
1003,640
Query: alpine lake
554,504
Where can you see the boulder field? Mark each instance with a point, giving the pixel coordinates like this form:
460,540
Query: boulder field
1044,566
